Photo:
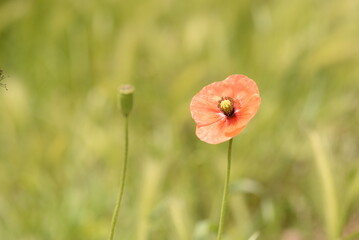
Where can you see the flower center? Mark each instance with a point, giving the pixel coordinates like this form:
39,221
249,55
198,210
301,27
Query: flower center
226,106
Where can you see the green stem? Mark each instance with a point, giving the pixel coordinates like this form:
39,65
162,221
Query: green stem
120,194
225,191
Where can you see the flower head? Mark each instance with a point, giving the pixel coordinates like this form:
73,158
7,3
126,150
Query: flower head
221,110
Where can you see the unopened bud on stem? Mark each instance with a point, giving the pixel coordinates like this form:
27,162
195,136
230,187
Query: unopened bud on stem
126,98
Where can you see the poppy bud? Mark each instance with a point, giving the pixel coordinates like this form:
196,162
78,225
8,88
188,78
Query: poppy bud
126,98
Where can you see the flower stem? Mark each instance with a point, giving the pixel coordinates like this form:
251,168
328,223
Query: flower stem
120,194
225,191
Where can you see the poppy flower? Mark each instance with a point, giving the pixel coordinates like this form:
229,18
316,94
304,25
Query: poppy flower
221,110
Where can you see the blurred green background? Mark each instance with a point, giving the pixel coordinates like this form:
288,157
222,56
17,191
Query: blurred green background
295,171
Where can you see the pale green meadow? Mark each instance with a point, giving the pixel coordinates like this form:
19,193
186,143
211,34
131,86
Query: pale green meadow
295,167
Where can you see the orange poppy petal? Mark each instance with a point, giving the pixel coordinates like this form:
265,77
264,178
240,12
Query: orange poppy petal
217,90
204,105
212,134
234,125
250,108
242,86
204,111
234,132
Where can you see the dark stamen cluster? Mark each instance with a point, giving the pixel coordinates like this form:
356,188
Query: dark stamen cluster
226,105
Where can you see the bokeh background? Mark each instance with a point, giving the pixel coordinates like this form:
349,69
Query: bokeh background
295,171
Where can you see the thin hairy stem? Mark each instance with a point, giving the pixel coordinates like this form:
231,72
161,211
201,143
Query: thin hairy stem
225,191
120,194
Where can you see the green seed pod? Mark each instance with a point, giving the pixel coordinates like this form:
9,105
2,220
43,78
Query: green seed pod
126,98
